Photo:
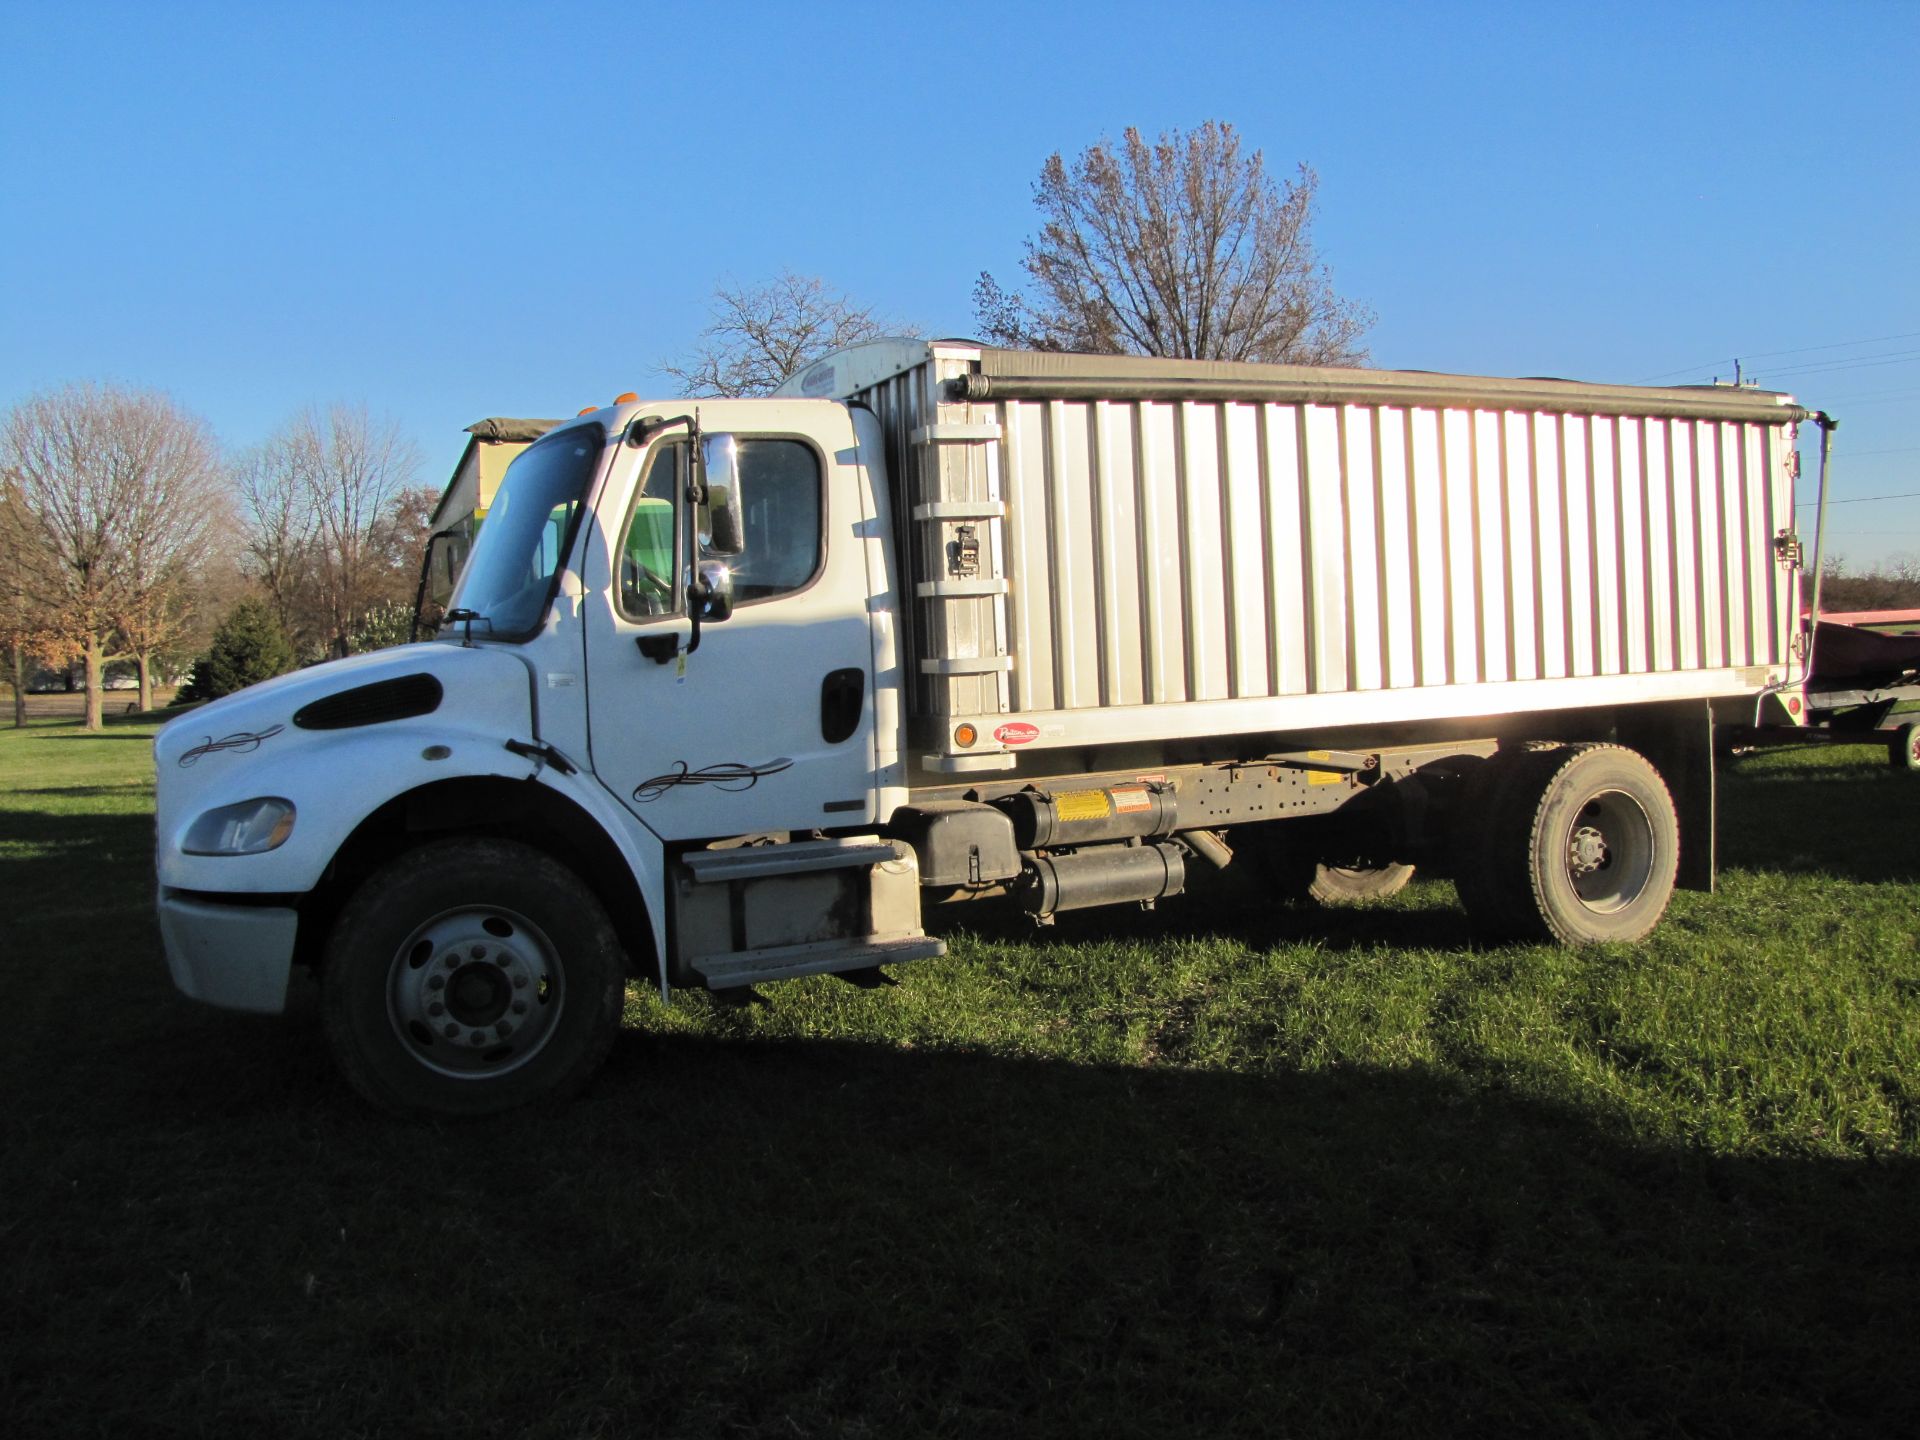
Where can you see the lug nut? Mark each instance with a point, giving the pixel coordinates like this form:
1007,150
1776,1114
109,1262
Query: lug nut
436,982
436,1008
504,1028
479,1037
519,1007
478,952
452,1032
519,982
451,961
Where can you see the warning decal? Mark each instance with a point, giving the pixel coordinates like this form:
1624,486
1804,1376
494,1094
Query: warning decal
1082,805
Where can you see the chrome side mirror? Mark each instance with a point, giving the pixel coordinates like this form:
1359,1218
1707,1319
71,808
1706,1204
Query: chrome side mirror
722,528
714,592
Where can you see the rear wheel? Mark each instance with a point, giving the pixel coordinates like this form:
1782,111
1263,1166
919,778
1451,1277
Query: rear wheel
1485,869
471,976
1581,847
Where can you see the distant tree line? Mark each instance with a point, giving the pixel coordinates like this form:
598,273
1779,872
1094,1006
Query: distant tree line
1892,585
127,535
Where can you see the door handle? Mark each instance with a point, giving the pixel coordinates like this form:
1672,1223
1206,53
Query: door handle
842,697
658,647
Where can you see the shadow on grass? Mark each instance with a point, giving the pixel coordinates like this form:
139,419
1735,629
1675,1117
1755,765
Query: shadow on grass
1223,909
830,1238
203,1231
55,859
1853,822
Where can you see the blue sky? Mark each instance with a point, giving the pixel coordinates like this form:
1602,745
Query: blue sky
453,211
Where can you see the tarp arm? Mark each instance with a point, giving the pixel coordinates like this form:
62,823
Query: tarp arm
1827,426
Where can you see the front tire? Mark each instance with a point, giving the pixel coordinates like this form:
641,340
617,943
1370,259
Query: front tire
471,976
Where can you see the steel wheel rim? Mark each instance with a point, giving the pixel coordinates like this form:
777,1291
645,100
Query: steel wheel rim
1609,852
475,992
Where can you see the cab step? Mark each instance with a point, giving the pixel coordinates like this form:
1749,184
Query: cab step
811,907
755,862
820,957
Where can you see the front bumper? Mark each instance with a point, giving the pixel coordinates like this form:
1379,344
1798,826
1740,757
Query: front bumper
238,957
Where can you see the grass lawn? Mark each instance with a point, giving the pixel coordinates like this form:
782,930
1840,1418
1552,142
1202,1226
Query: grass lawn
1213,1170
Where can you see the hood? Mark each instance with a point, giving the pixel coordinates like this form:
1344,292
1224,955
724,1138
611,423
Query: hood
403,682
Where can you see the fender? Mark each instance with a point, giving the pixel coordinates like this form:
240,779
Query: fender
253,745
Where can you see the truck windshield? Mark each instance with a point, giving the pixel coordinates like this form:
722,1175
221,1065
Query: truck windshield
524,537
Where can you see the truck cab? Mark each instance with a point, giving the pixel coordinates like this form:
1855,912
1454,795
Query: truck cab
667,684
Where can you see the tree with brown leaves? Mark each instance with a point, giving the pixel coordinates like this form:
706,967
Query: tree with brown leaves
117,491
1183,248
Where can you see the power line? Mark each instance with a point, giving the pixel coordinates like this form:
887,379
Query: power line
1860,500
1863,362
1769,354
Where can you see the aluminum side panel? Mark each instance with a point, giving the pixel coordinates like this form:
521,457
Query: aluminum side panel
1178,554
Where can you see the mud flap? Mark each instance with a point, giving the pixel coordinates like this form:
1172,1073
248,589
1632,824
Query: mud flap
1678,740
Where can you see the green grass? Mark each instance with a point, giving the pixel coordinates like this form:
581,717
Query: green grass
1211,1170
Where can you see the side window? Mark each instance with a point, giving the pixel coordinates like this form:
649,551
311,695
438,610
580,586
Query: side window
647,549
780,493
780,490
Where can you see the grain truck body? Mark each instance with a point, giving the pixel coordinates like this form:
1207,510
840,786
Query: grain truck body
1110,550
735,691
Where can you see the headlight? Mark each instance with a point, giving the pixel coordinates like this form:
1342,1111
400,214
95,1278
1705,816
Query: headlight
249,828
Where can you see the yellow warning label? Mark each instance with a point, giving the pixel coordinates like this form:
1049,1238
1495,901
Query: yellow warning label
1323,777
1082,805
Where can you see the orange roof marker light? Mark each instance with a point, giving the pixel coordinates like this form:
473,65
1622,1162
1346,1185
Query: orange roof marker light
588,411
626,399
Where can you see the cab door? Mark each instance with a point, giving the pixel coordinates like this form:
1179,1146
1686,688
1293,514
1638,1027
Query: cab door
768,724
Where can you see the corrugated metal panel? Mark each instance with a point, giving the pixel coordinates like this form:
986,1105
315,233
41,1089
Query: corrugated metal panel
1169,551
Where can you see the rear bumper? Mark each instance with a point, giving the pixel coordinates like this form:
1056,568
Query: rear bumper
238,957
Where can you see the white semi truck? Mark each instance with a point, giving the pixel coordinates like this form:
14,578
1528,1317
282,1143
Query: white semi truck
732,691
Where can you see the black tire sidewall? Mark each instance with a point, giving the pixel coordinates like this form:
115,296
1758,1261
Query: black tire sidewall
1565,793
448,875
1902,751
1335,885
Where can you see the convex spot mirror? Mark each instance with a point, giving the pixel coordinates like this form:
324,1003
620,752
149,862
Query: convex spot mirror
722,531
715,593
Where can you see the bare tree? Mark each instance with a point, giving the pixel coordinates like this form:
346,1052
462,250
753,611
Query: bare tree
277,536
350,469
113,489
761,334
1182,248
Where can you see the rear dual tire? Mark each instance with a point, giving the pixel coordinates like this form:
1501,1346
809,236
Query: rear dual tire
1573,844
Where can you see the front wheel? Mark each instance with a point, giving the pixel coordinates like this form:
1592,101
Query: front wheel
471,976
